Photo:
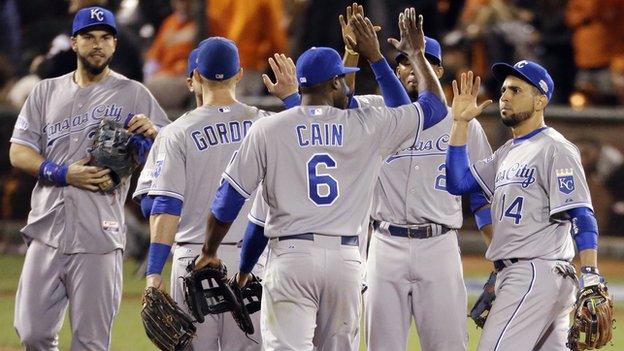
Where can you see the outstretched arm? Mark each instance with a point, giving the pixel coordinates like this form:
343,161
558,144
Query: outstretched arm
459,179
412,43
365,42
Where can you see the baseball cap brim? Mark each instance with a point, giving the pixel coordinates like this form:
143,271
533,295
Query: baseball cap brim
501,70
91,27
347,70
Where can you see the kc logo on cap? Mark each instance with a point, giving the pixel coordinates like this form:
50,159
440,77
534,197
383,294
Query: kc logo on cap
97,14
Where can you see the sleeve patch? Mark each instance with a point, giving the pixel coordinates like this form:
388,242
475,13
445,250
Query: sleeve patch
21,123
565,180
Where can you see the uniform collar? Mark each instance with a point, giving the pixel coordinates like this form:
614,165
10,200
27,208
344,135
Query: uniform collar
528,136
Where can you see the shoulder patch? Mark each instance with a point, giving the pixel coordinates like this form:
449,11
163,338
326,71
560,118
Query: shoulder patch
565,180
21,123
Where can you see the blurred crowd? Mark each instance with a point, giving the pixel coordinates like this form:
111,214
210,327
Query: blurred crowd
580,42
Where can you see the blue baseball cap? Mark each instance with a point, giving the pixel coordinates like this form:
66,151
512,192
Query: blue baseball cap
528,71
320,64
433,52
91,17
192,62
218,58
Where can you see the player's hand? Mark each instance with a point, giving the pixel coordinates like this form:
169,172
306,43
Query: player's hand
364,39
155,281
141,124
464,105
412,41
203,261
346,23
242,279
86,177
285,73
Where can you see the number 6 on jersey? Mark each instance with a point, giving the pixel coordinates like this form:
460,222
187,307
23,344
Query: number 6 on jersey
323,189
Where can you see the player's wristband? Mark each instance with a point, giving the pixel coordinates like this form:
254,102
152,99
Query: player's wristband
292,100
156,258
53,173
589,270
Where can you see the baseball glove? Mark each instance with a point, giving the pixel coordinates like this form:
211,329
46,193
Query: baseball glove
112,148
207,291
481,308
165,323
593,317
251,293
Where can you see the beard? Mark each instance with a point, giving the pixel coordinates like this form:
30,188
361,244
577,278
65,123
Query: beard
91,68
516,118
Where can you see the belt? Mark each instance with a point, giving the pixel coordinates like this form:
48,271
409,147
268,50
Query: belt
350,240
422,232
185,243
499,265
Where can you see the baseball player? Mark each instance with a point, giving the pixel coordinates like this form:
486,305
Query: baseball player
75,235
329,158
414,240
538,189
192,153
145,178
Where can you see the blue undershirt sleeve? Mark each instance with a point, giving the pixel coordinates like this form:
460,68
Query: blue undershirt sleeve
434,110
147,203
459,179
584,228
480,210
392,90
166,204
227,203
254,243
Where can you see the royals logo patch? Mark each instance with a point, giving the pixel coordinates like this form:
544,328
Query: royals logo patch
158,166
565,180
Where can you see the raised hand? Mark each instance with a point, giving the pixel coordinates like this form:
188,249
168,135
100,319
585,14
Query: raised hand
346,23
365,39
285,77
464,105
412,37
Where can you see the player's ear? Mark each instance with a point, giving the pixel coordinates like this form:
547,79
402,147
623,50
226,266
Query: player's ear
189,84
335,84
541,102
74,43
439,70
239,75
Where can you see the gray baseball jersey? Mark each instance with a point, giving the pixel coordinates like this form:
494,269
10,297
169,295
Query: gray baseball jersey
319,164
411,188
59,120
532,181
192,153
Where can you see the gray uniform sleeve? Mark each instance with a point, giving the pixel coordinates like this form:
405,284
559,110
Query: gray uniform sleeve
478,146
169,175
144,183
369,101
147,105
249,165
28,127
398,127
484,172
567,185
259,210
